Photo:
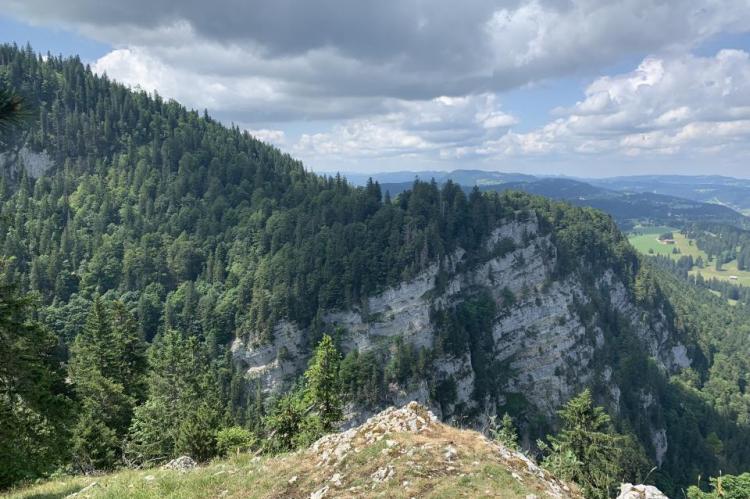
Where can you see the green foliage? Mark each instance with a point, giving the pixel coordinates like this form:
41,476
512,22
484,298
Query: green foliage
12,110
34,407
724,487
184,408
202,229
586,451
312,409
286,423
505,432
234,439
323,385
107,369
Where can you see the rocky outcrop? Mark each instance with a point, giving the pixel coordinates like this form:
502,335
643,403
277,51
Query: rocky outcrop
630,491
413,436
539,333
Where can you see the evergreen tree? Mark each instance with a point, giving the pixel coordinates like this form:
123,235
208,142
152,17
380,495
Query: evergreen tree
11,109
107,369
285,422
585,451
184,408
505,432
323,385
34,407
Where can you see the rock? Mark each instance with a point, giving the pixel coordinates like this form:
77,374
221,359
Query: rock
450,453
412,418
182,463
293,479
630,491
383,474
336,479
320,493
84,490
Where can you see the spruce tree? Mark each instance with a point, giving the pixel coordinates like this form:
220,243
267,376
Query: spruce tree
505,432
184,408
107,368
34,406
585,451
323,384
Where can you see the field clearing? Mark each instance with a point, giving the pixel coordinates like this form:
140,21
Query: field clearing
728,269
645,240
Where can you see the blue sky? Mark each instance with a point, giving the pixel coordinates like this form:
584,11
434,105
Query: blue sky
584,88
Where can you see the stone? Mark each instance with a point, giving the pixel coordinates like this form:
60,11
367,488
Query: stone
630,491
382,474
336,479
320,493
182,463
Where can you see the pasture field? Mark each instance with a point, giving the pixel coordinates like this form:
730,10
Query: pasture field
645,240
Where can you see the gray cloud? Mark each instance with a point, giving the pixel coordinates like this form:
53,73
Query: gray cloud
408,49
423,79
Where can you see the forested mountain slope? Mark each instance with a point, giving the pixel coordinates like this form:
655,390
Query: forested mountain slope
132,218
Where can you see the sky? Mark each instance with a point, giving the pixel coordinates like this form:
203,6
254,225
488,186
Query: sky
587,88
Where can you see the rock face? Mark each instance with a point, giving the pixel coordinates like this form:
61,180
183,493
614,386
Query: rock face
542,336
630,491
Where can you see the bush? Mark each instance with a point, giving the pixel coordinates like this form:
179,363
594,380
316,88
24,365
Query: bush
235,439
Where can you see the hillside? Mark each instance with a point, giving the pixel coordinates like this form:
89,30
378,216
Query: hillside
627,207
133,225
727,191
398,453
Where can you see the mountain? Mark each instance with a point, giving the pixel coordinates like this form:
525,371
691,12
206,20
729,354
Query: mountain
463,177
132,220
628,208
727,191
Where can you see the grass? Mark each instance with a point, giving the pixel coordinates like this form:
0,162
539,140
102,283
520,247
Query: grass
420,469
645,240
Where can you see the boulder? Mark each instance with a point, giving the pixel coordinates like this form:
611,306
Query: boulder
182,463
630,491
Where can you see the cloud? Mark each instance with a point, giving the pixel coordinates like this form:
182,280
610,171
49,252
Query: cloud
319,59
423,80
440,127
275,137
666,106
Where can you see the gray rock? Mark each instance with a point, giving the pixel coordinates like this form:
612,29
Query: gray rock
630,491
182,463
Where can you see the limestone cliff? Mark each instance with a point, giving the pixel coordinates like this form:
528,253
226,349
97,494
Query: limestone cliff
546,333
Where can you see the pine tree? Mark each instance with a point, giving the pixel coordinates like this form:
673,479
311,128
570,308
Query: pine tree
585,451
34,407
323,384
506,432
184,408
107,369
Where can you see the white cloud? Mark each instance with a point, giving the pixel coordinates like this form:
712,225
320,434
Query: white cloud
275,137
441,127
422,80
666,106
